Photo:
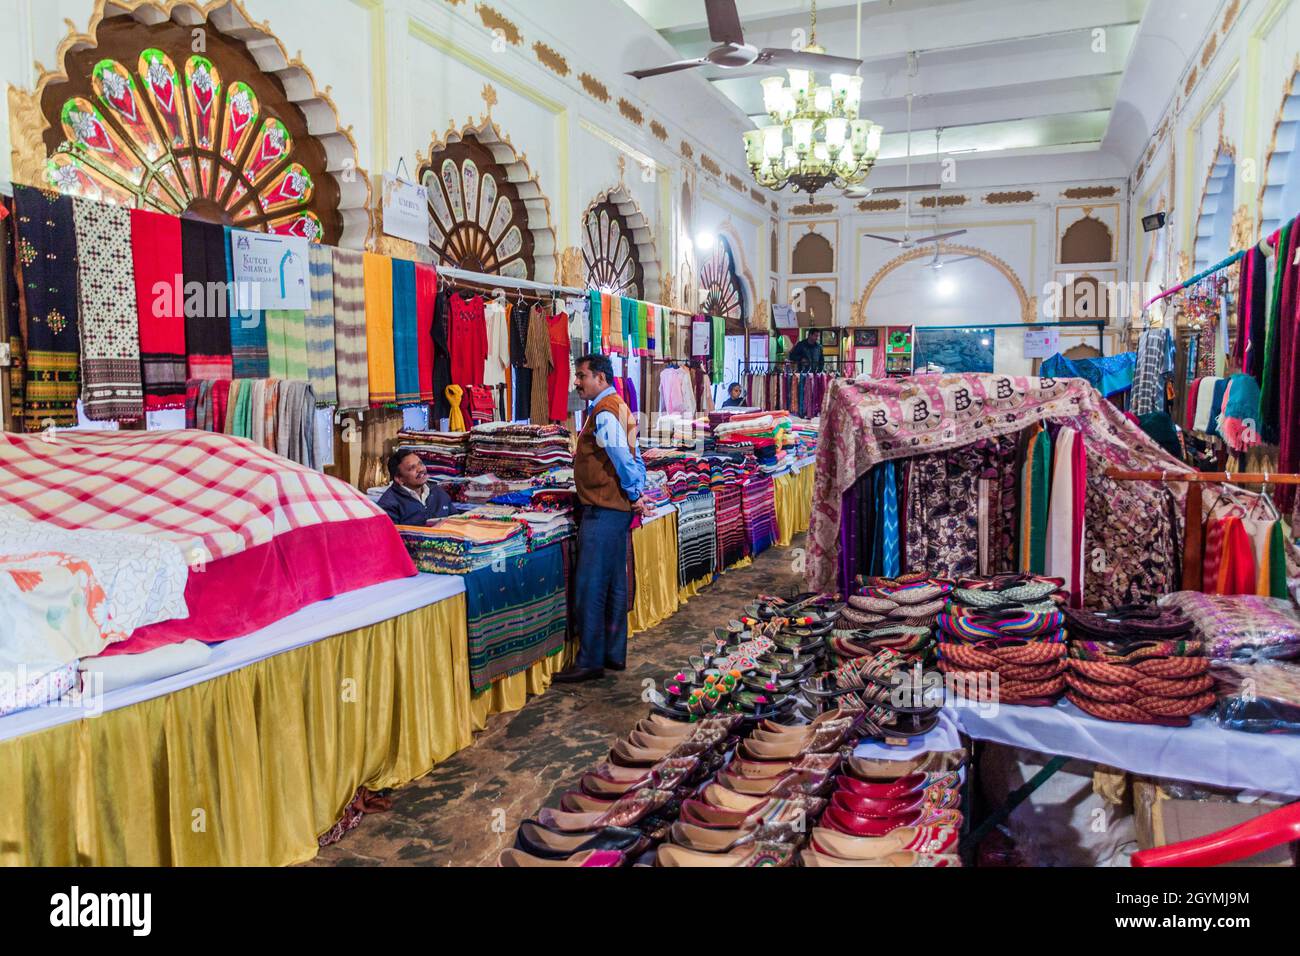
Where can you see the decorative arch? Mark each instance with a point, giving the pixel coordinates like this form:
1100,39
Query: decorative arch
1214,221
487,211
1088,240
1279,192
618,246
722,291
813,254
774,252
1028,306
235,133
819,308
1086,298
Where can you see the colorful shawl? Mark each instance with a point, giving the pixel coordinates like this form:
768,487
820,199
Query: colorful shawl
732,546
286,344
719,345
207,312
47,260
406,353
11,324
379,328
160,306
1286,394
426,297
320,326
643,342
612,317
517,615
627,336
111,389
595,300
1281,309
696,539
1035,493
652,330
249,347
350,329
758,501
1065,517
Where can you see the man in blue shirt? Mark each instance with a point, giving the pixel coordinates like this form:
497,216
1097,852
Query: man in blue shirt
609,475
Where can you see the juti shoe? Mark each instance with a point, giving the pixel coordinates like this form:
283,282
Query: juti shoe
576,675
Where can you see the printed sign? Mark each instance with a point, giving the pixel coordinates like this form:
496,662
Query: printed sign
271,272
701,337
1042,343
406,210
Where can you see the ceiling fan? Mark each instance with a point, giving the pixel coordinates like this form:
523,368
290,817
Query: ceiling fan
735,53
937,265
862,192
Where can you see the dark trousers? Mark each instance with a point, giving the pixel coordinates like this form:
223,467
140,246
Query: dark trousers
601,591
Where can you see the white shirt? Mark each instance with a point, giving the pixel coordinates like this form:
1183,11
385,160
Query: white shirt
422,496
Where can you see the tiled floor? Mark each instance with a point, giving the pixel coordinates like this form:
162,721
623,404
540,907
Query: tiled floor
467,809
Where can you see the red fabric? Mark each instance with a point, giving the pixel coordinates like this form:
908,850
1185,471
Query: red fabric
1214,540
1288,379
237,595
467,339
482,407
560,380
1238,573
1079,466
159,295
220,398
426,291
1190,412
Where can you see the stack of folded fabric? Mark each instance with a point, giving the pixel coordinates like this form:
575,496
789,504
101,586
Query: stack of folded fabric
758,507
1003,639
1240,625
730,468
546,527
803,436
510,450
685,475
444,453
482,489
1261,698
1137,665
461,545
729,518
656,488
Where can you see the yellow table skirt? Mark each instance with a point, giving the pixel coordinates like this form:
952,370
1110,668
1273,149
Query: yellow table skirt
793,492
657,599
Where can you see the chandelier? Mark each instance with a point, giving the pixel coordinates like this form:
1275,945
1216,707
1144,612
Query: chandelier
815,137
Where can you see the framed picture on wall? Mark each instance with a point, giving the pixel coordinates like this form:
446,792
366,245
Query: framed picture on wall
866,338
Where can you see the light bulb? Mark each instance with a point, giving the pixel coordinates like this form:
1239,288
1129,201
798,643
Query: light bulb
946,287
853,96
754,146
861,135
791,158
840,84
773,88
847,159
788,104
802,129
822,99
836,131
773,141
799,82
821,153
704,241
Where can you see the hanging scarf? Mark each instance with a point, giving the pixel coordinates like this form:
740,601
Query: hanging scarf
1063,559
320,326
719,347
207,314
456,420
652,329
269,410
643,342
47,261
1034,497
596,300
1243,310
11,324
1237,570
286,343
220,404
426,297
625,330
1240,410
160,306
111,389
1213,561
1079,460
249,347
889,525
1283,302
1287,397
406,353
353,377
612,313
379,328
1257,294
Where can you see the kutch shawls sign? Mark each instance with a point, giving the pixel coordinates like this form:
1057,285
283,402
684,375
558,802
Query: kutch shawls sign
406,210
272,271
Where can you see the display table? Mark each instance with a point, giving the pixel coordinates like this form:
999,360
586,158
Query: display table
794,494
654,545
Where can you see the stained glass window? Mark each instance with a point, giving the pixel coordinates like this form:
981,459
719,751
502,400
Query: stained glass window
720,284
610,253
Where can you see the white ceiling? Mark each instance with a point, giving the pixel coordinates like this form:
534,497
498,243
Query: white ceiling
1003,78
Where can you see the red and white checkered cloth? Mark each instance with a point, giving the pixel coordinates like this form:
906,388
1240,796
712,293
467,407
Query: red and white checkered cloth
215,494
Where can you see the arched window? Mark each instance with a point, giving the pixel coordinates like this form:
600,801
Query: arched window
818,310
813,255
478,221
144,121
610,253
1281,197
1214,224
1088,240
720,284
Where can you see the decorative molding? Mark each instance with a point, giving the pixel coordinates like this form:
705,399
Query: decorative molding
736,183
1028,305
551,58
1092,192
660,131
1141,171
775,207
1191,81
652,281
758,196
494,21
710,164
1243,230
1184,266
944,201
1288,90
1230,15
489,96
25,126
813,209
1211,47
687,151
572,268
880,205
1011,198
630,112
595,89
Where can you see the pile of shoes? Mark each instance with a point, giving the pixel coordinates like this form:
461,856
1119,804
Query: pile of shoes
1002,639
886,688
901,813
912,600
1137,665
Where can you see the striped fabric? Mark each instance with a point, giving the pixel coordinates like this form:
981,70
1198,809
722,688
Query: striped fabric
696,539
156,255
890,527
759,511
350,329
732,546
286,344
1035,491
320,327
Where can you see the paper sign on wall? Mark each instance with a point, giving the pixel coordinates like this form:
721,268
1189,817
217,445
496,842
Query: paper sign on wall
1042,343
701,338
406,210
271,272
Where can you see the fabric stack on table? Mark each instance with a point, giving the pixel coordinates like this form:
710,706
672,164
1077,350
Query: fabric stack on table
758,507
482,489
686,474
1259,698
1138,665
444,453
732,545
510,450
1240,626
461,545
656,488
1002,639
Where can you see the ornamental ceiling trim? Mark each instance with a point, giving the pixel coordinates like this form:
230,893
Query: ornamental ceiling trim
495,21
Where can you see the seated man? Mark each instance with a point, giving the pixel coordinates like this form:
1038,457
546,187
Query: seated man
410,499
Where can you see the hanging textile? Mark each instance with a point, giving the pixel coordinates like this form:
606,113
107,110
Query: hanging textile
111,388
732,546
406,352
559,381
1064,520
455,394
625,340
597,328
47,259
520,317
1286,399
286,344
351,364
426,294
248,332
718,339
1239,421
207,315
160,307
643,342
441,355
890,527
11,324
1149,372
1035,491
379,328
320,326
467,337
1282,302
539,362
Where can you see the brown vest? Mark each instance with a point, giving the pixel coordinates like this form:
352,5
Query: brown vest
593,472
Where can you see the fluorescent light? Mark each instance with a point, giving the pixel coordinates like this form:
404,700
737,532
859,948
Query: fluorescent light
704,241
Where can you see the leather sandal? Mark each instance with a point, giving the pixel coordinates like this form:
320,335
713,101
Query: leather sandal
874,771
588,858
905,858
626,812
786,785
771,810
837,818
708,840
758,854
665,776
541,841
926,840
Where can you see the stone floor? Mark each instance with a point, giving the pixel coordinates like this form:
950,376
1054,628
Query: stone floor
467,808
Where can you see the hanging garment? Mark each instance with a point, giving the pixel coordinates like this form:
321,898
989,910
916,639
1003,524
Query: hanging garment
539,362
1239,421
320,326
1035,495
12,326
597,327
406,350
467,337
889,531
1257,296
286,344
440,333
719,345
351,362
111,388
1204,404
47,260
379,328
1149,372
1287,400
248,331
426,293
1283,300
522,374
1237,570
1064,527
160,307
559,378
496,327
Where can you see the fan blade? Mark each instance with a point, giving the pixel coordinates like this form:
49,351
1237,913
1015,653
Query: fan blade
949,262
904,189
808,61
897,242
668,68
942,236
724,21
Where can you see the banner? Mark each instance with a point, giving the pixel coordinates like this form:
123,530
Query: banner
406,210
270,272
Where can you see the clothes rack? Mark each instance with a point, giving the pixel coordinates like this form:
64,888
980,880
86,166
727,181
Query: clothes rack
1268,243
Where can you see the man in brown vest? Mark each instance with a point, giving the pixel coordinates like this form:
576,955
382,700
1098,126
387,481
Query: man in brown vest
610,479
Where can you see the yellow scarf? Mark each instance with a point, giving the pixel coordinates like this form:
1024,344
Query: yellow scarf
379,328
455,421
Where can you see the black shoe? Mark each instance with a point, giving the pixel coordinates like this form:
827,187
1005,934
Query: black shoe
611,666
576,674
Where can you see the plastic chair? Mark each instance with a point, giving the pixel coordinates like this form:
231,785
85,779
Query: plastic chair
1227,846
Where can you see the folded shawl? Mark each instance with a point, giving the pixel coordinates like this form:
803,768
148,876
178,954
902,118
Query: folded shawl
320,326
160,306
207,321
47,259
379,328
350,329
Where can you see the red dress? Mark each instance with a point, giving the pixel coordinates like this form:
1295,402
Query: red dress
467,341
561,376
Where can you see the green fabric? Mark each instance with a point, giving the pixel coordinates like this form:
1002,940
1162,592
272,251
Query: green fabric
642,326
243,409
719,348
286,344
1268,404
629,324
594,296
1277,563
1034,503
